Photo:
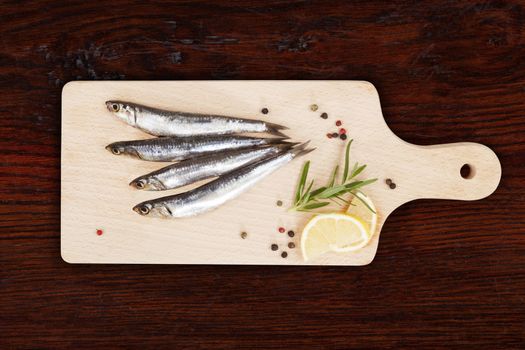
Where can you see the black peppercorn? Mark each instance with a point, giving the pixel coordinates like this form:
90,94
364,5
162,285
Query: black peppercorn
284,254
291,233
324,115
343,136
275,247
291,245
264,110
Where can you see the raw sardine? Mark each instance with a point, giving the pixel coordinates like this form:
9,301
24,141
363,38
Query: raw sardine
160,122
168,149
219,191
195,169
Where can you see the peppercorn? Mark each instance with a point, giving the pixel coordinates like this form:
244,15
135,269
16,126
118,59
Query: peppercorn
284,254
281,229
244,235
343,136
338,123
392,186
291,233
264,110
314,107
274,247
291,245
324,115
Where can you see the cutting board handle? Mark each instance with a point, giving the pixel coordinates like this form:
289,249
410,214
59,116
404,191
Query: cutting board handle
438,171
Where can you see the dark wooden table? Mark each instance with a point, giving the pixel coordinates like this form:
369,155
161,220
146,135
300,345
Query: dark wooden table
447,274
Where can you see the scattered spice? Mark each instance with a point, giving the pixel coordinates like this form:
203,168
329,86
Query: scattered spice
314,107
291,245
343,137
99,232
284,255
264,110
342,131
324,115
244,235
338,123
334,134
392,186
281,229
388,181
274,247
279,203
291,233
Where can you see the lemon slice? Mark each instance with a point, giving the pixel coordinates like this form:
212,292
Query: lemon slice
333,232
359,209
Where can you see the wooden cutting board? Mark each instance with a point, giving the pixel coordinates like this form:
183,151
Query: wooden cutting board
96,195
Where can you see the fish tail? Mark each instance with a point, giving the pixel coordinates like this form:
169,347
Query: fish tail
285,146
275,140
301,149
274,129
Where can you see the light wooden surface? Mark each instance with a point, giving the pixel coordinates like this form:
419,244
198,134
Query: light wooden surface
95,192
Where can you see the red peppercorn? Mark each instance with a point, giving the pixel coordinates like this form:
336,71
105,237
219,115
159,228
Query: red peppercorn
281,229
100,232
342,131
338,123
329,135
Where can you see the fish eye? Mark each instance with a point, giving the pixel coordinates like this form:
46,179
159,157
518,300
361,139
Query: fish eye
139,184
115,151
115,107
144,210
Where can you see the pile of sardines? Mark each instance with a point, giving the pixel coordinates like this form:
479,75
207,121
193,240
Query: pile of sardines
204,147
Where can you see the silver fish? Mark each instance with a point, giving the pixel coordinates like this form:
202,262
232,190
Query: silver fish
169,149
160,122
201,168
219,191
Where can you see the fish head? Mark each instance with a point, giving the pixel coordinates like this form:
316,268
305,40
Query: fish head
118,148
123,111
148,183
152,210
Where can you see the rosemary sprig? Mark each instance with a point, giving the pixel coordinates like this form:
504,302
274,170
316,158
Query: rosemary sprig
307,199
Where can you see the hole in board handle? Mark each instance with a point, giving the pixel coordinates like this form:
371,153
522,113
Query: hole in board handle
467,171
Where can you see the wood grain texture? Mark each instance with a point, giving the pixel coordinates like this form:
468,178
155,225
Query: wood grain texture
447,274
214,237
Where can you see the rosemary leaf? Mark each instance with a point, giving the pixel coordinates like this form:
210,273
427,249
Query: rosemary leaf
315,205
365,203
331,191
302,181
334,175
358,171
347,161
307,193
317,191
